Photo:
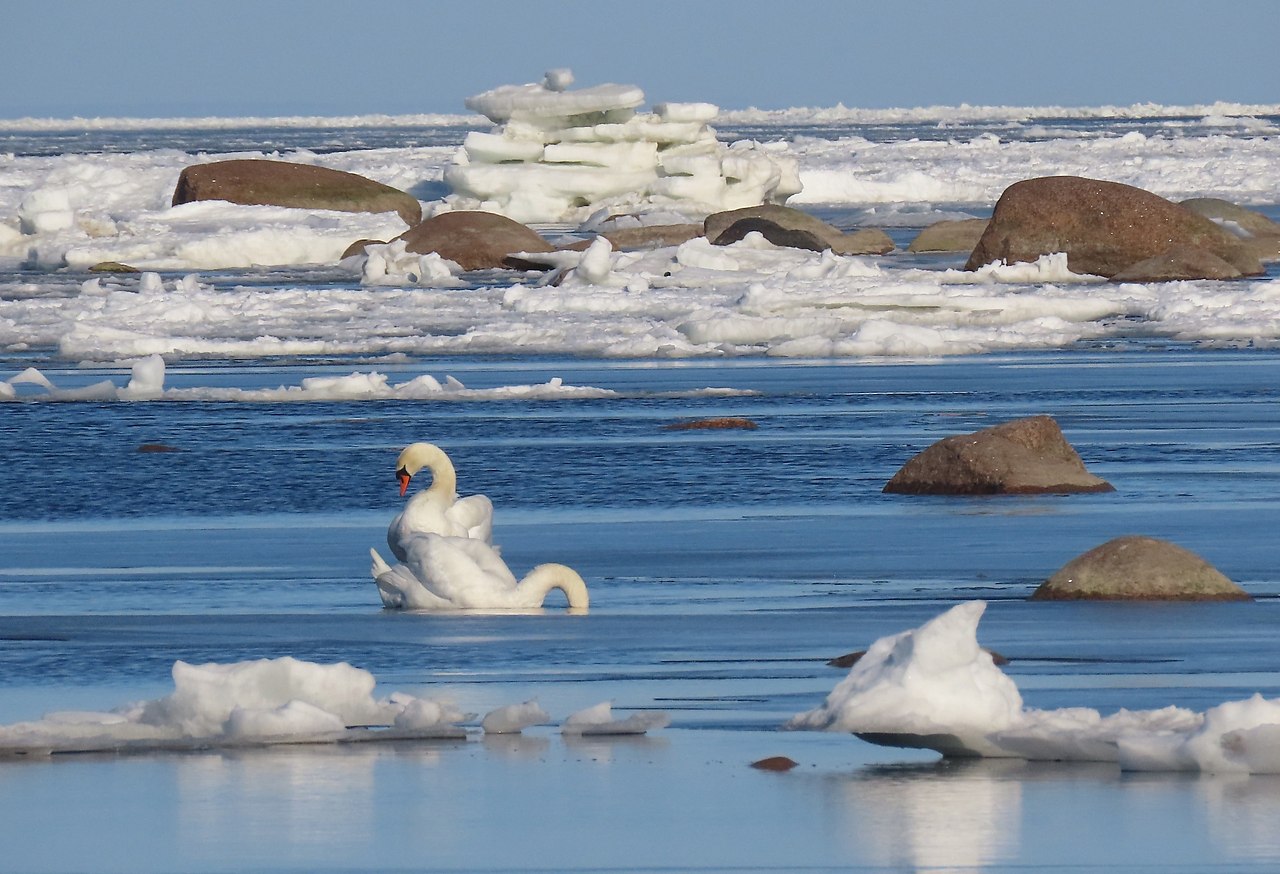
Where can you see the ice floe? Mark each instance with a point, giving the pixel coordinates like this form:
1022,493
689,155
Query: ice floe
934,687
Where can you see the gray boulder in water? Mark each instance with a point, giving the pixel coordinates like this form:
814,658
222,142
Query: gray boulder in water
1025,456
1135,568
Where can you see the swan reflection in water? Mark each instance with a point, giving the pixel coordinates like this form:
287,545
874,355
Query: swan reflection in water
446,558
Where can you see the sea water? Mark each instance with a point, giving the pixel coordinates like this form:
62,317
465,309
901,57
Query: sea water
726,567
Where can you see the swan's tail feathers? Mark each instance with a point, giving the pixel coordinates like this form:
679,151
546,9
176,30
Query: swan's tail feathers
379,567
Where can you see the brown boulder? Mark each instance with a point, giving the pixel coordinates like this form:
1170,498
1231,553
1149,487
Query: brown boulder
1185,262
1103,227
869,241
720,423
1025,456
476,240
282,183
643,237
1139,569
949,236
775,763
1260,234
792,238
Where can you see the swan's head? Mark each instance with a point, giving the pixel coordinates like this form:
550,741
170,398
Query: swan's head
415,457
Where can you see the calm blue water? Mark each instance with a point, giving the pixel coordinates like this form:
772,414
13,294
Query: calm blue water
726,568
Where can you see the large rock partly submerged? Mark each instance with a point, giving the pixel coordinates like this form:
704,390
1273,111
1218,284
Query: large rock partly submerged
1103,227
785,226
283,183
476,240
1025,456
1134,568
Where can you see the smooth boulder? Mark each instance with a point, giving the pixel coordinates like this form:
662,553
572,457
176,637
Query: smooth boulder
642,237
1022,457
1103,227
476,240
951,235
867,241
255,182
1258,232
1135,568
1185,262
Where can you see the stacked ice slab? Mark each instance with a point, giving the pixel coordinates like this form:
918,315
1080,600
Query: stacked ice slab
558,155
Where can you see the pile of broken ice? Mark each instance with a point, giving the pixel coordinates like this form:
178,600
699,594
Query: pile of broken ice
560,155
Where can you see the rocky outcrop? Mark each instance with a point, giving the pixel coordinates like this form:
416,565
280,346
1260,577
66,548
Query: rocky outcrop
868,241
959,235
1103,227
476,240
791,238
642,237
1136,568
1186,262
1258,232
282,183
1025,456
719,423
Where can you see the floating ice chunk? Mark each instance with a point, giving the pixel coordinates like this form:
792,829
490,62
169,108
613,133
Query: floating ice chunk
699,112
1240,736
598,720
667,159
422,713
293,719
929,681
146,381
934,687
282,700
514,718
391,264
499,148
537,101
46,210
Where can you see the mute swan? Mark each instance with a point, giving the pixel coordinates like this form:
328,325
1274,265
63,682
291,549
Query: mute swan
437,509
459,573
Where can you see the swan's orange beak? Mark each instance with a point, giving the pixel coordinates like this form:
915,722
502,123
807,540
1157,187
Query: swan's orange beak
403,476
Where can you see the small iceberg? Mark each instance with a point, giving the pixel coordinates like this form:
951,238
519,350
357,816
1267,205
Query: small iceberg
934,687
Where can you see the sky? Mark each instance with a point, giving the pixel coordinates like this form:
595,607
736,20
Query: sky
177,58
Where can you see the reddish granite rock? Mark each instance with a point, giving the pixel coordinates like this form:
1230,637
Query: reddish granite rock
283,183
1025,456
1103,227
476,240
1184,262
775,763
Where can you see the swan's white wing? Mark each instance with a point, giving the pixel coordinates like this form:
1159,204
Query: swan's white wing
473,515
400,588
467,573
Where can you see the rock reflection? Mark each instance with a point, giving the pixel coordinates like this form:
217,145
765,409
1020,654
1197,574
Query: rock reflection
950,816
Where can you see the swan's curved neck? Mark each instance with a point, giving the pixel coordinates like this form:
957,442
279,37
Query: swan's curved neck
444,479
545,577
